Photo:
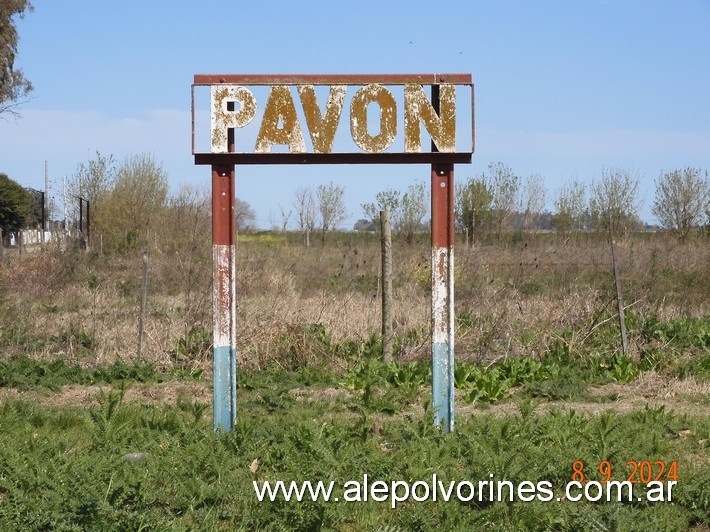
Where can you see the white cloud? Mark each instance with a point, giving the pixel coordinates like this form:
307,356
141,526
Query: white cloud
602,144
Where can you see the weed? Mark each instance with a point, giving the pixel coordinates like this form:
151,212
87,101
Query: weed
622,368
23,372
522,370
93,282
697,366
192,350
489,386
309,317
76,340
651,359
565,383
195,408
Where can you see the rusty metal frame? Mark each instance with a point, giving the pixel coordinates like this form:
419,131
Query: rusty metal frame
207,158
442,233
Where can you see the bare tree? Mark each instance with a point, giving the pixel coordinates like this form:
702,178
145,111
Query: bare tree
285,219
305,207
330,206
186,236
614,202
682,199
474,206
414,208
571,207
504,185
386,200
245,215
93,181
531,203
280,222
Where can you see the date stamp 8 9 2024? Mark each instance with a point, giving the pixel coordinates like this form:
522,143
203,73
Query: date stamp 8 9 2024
644,471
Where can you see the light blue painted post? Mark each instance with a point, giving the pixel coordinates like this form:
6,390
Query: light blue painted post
224,308
442,294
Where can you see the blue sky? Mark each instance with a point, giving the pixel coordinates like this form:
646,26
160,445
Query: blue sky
563,88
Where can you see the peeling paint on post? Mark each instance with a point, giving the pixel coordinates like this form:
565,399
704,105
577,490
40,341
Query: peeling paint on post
442,295
224,309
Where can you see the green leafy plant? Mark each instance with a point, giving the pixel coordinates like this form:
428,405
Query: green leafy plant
622,368
490,386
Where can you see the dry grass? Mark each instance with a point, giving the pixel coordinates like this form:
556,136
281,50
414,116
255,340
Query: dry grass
84,396
511,299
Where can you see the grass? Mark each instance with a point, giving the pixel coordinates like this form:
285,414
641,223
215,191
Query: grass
315,423
540,383
24,373
74,462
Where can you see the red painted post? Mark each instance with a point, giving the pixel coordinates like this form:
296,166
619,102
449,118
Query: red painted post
224,308
442,294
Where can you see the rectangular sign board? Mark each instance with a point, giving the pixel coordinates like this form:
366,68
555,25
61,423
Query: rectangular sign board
296,119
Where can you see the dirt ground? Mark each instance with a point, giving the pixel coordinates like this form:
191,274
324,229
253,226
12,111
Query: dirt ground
84,396
683,397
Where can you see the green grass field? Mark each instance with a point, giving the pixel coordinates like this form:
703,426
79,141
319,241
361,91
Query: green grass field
64,466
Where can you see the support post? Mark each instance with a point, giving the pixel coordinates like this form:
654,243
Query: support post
386,242
45,201
88,224
619,298
144,304
81,217
224,308
64,205
442,294
44,219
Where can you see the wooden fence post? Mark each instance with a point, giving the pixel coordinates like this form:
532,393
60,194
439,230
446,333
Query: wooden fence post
144,299
386,240
619,298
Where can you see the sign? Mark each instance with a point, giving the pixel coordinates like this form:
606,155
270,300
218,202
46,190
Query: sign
293,127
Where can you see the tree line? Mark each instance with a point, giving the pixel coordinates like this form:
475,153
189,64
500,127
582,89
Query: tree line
499,201
130,204
130,201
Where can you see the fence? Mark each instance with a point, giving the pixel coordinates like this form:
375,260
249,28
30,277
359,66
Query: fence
13,242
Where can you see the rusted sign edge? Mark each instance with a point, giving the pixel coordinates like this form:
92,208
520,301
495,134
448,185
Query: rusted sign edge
333,158
473,121
192,113
332,79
